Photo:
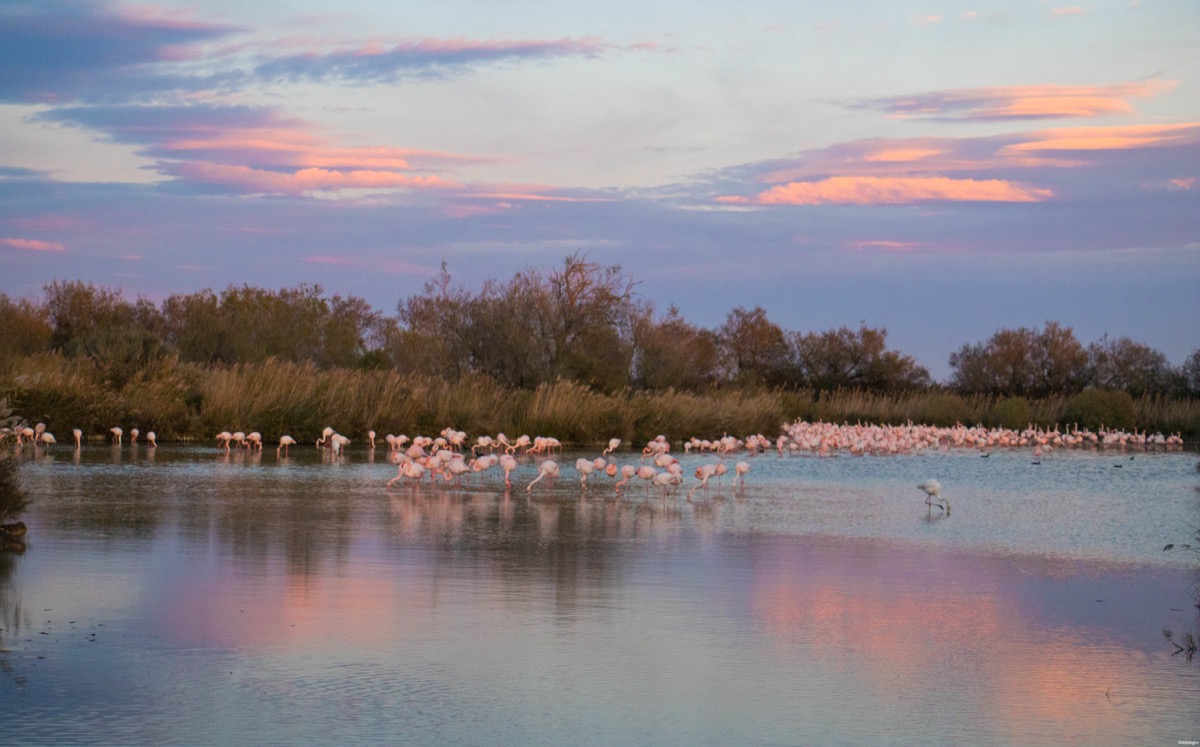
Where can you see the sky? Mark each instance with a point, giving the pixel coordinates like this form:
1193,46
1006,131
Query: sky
940,169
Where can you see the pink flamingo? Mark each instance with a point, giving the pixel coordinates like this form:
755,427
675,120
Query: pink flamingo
627,471
284,443
508,463
703,473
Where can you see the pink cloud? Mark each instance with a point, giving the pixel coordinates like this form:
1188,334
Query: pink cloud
32,245
901,154
874,190
1022,102
1108,138
246,179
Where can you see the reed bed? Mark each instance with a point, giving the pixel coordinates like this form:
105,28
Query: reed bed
183,401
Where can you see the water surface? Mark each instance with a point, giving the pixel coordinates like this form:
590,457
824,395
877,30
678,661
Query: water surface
186,596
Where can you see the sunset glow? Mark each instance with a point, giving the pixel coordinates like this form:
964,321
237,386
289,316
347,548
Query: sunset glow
237,140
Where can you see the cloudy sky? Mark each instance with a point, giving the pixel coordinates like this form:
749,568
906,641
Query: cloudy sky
941,169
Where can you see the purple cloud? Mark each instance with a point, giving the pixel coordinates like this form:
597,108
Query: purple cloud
376,63
1017,102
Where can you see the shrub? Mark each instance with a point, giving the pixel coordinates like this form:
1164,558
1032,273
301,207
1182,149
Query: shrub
1095,408
1012,412
945,410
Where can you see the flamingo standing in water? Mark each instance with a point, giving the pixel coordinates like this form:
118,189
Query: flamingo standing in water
325,434
740,470
133,434
627,471
284,443
933,493
703,473
585,467
78,437
371,438
613,443
508,463
116,435
548,467
224,437
152,439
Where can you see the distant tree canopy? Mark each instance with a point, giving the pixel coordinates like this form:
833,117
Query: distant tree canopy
580,321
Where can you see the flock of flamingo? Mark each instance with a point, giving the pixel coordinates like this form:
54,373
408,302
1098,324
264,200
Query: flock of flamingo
448,456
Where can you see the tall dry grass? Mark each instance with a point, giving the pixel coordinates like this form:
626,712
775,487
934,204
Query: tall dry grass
184,401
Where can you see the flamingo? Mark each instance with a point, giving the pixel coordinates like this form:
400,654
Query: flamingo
627,471
703,473
740,470
613,443
338,442
719,470
254,440
224,437
133,434
548,467
152,439
585,467
665,480
371,438
325,434
284,443
116,435
933,492
647,473
78,437
508,463
47,439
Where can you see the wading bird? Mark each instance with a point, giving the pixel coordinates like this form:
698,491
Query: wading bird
740,470
284,443
933,493
548,467
116,435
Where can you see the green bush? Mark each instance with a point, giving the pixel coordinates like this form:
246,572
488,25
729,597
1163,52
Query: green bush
945,410
1095,408
1012,413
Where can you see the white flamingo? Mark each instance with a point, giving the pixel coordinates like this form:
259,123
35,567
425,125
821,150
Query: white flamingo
740,470
933,493
152,438
116,435
284,443
613,443
585,467
548,467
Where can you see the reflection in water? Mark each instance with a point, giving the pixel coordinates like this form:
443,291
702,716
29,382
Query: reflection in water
310,605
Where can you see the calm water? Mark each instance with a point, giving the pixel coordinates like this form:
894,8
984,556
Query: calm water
188,597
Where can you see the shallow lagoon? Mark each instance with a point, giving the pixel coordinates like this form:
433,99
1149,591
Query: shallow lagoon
186,596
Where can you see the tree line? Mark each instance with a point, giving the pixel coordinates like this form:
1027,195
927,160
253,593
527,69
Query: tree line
580,321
